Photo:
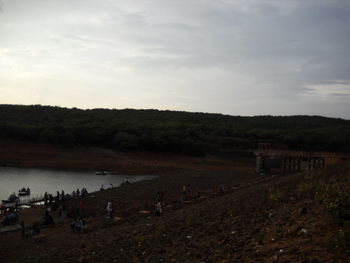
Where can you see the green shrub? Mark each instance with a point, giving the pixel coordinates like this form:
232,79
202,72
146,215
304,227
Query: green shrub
306,188
327,191
275,194
340,206
341,239
189,259
336,200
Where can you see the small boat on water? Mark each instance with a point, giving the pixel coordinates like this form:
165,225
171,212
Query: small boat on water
101,173
13,198
24,191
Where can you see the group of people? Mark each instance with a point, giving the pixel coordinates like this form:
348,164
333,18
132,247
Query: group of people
186,193
57,202
78,193
9,217
34,229
61,196
47,219
52,203
77,224
50,199
70,211
30,231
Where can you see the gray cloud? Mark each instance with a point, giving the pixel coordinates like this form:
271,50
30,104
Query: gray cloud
230,56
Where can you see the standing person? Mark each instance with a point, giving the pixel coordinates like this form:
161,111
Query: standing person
160,196
46,198
109,209
81,206
158,209
50,199
222,188
184,192
23,230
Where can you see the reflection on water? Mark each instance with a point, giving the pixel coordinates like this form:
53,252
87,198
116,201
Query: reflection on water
44,180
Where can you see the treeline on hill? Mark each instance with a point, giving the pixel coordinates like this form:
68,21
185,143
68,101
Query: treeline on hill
172,131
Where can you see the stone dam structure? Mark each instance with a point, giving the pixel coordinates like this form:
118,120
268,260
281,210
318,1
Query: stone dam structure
288,161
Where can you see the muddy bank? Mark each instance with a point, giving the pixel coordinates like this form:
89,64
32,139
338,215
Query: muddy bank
36,155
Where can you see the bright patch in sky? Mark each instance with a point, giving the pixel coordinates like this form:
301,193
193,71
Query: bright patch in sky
329,90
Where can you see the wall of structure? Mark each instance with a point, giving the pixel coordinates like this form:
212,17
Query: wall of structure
287,164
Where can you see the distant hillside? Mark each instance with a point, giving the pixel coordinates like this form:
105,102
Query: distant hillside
174,131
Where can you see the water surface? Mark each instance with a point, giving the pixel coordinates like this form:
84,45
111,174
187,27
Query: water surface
45,180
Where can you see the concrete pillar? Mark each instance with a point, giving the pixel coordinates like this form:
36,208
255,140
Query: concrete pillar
299,165
259,164
294,160
289,165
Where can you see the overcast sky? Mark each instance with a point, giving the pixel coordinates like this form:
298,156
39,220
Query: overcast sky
238,57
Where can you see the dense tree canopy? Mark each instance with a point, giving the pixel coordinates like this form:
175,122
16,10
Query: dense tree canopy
191,133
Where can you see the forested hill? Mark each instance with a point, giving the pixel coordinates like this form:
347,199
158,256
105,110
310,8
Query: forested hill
174,131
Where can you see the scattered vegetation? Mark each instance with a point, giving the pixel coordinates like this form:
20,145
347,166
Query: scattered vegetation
336,200
341,238
330,187
328,191
193,220
306,188
275,194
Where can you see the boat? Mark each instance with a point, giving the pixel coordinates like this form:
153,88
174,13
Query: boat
101,173
13,199
24,191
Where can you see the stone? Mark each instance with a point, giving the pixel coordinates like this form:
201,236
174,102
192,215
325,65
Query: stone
302,232
274,258
303,211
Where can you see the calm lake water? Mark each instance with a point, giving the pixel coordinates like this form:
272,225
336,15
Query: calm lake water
44,180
